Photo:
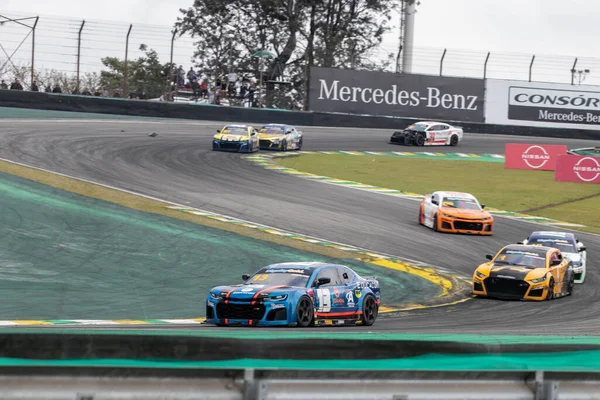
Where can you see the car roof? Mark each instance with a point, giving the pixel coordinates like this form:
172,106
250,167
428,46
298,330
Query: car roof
456,194
525,247
431,123
236,126
552,235
306,265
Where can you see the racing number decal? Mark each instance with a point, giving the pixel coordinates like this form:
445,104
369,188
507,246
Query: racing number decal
432,136
324,297
262,277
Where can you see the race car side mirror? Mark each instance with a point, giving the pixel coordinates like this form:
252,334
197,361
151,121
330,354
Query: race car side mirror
218,131
521,242
434,202
245,277
489,256
323,281
482,206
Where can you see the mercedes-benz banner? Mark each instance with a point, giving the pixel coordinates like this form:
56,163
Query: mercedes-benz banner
398,95
542,104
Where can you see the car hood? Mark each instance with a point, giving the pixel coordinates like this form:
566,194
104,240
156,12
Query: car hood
574,257
270,137
233,138
515,272
465,213
247,292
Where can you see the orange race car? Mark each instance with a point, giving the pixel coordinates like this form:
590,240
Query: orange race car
525,273
455,212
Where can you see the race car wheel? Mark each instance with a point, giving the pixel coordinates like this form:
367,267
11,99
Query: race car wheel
284,146
550,295
421,217
571,285
304,312
420,140
370,310
453,140
299,145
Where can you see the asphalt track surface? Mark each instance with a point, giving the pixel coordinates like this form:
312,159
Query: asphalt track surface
179,166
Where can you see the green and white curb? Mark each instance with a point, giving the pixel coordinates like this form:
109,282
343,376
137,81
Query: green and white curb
267,161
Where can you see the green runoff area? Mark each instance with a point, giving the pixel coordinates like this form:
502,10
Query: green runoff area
534,193
67,256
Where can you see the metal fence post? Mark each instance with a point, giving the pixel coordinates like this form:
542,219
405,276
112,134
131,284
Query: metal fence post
442,61
531,66
171,66
126,60
79,54
573,72
33,50
485,65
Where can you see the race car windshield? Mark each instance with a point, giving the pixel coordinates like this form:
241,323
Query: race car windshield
417,127
278,279
273,130
527,259
563,245
464,204
235,130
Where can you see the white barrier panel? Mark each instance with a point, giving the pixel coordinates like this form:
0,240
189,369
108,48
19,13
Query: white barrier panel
548,105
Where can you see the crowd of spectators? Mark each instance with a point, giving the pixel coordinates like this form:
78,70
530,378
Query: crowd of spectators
187,86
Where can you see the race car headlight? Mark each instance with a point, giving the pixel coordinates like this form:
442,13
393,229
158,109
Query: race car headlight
447,215
479,274
277,298
538,280
215,296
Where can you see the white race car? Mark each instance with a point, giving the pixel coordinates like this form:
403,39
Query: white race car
568,244
428,133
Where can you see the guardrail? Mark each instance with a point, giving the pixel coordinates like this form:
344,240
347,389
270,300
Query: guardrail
257,384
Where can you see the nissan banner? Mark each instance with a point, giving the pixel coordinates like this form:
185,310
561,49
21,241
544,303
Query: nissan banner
584,169
398,95
532,156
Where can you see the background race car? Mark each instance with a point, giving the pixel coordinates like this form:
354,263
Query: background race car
240,138
428,133
568,244
280,137
455,212
525,272
296,294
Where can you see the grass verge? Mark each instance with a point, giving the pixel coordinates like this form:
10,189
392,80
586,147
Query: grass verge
505,189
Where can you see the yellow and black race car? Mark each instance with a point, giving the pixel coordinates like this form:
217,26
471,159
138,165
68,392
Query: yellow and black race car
525,273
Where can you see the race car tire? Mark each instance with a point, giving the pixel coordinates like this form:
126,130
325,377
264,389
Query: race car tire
420,140
550,295
435,223
571,284
299,145
284,146
421,217
453,140
370,310
304,312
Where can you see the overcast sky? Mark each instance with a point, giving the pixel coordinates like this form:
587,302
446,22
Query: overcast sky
555,30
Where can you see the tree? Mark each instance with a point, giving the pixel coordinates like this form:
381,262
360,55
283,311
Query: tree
301,33
146,75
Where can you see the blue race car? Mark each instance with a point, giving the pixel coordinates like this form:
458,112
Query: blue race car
238,138
296,294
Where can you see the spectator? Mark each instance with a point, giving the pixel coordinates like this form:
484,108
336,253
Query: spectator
191,75
204,89
195,88
48,89
105,92
16,85
3,85
57,89
86,92
34,87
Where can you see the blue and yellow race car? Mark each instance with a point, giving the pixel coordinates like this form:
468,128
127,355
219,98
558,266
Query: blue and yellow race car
239,138
296,294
